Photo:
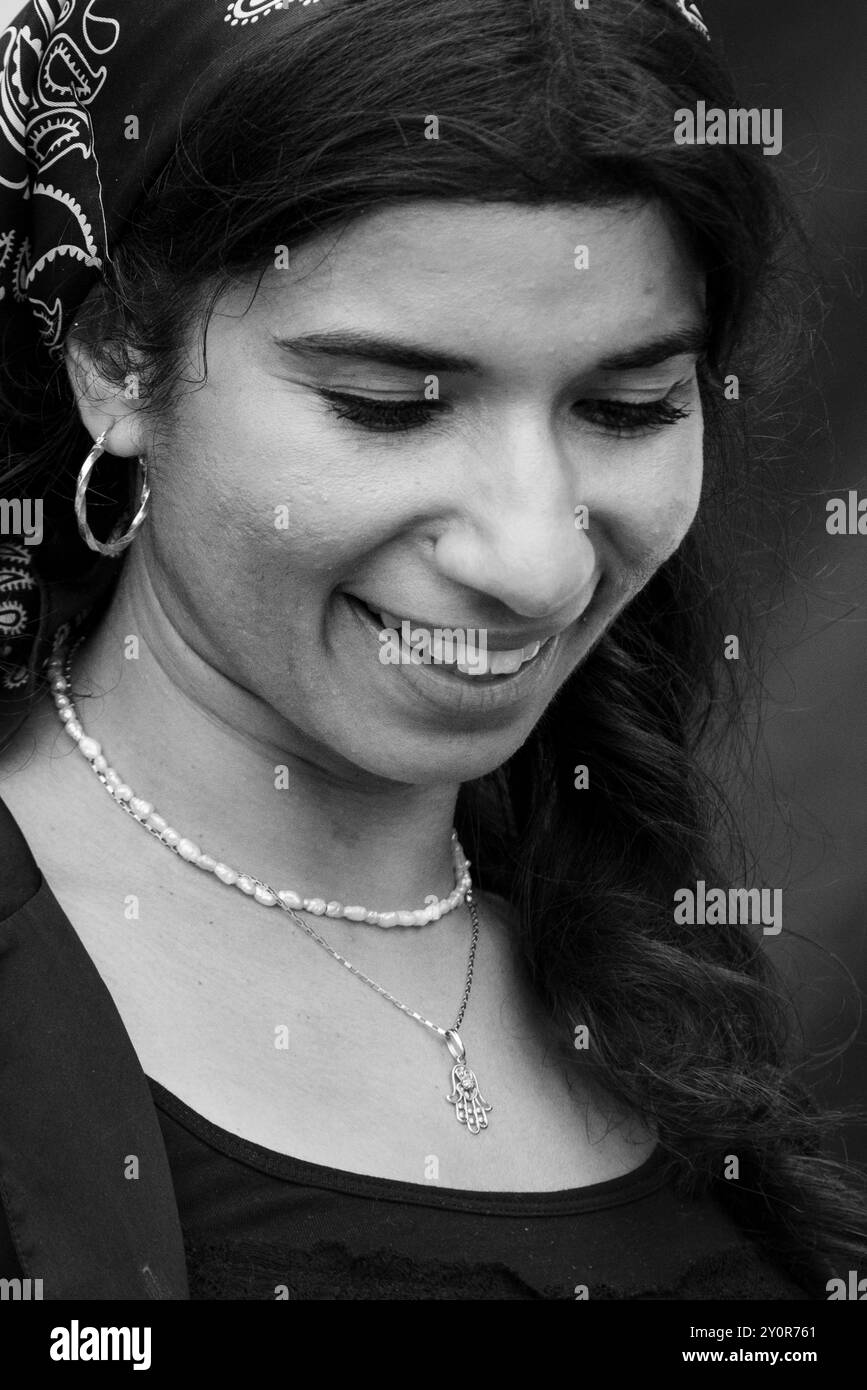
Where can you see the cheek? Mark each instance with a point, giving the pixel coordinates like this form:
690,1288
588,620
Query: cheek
276,445
663,507
261,511
674,512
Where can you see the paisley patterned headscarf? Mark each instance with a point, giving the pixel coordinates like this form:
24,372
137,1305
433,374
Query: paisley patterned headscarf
92,93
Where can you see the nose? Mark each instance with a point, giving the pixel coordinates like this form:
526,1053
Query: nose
515,537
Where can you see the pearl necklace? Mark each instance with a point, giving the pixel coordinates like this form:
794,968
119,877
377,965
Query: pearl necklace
471,1108
145,813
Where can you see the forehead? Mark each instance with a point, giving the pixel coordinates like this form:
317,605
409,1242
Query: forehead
495,280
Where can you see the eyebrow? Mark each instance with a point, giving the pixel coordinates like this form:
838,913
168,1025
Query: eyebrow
357,346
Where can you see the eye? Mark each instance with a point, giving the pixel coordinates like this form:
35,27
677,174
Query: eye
387,417
629,419
624,419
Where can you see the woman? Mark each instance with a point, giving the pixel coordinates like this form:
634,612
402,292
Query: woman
399,314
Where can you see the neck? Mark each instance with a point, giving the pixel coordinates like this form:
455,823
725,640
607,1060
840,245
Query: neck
228,772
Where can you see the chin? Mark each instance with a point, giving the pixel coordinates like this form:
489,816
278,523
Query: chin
442,760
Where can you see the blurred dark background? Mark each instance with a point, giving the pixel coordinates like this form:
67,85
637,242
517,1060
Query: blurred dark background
809,818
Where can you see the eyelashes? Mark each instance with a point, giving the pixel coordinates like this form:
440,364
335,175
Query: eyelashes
388,417
622,419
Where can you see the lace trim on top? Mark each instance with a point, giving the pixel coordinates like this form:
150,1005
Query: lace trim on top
248,1270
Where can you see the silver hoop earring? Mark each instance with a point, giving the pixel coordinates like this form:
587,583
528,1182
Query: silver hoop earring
116,543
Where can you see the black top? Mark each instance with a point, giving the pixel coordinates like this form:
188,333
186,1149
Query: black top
210,1216
260,1225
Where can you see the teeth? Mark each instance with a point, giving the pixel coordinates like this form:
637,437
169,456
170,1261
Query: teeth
485,663
500,663
504,663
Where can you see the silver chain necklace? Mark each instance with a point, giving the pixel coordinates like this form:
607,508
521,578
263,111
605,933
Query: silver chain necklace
471,1108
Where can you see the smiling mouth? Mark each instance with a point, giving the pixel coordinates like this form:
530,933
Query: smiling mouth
483,664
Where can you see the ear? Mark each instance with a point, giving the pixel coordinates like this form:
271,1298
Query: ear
103,405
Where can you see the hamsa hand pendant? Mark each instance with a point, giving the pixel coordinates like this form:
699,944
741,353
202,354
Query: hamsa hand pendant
470,1105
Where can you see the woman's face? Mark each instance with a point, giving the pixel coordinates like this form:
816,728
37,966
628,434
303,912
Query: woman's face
304,489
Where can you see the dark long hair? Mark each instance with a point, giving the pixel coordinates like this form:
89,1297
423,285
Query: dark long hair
539,103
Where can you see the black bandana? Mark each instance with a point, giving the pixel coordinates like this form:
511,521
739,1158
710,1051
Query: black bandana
91,93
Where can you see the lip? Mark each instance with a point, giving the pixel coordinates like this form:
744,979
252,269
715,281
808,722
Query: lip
449,691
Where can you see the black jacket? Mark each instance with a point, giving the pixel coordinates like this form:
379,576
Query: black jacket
74,1106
